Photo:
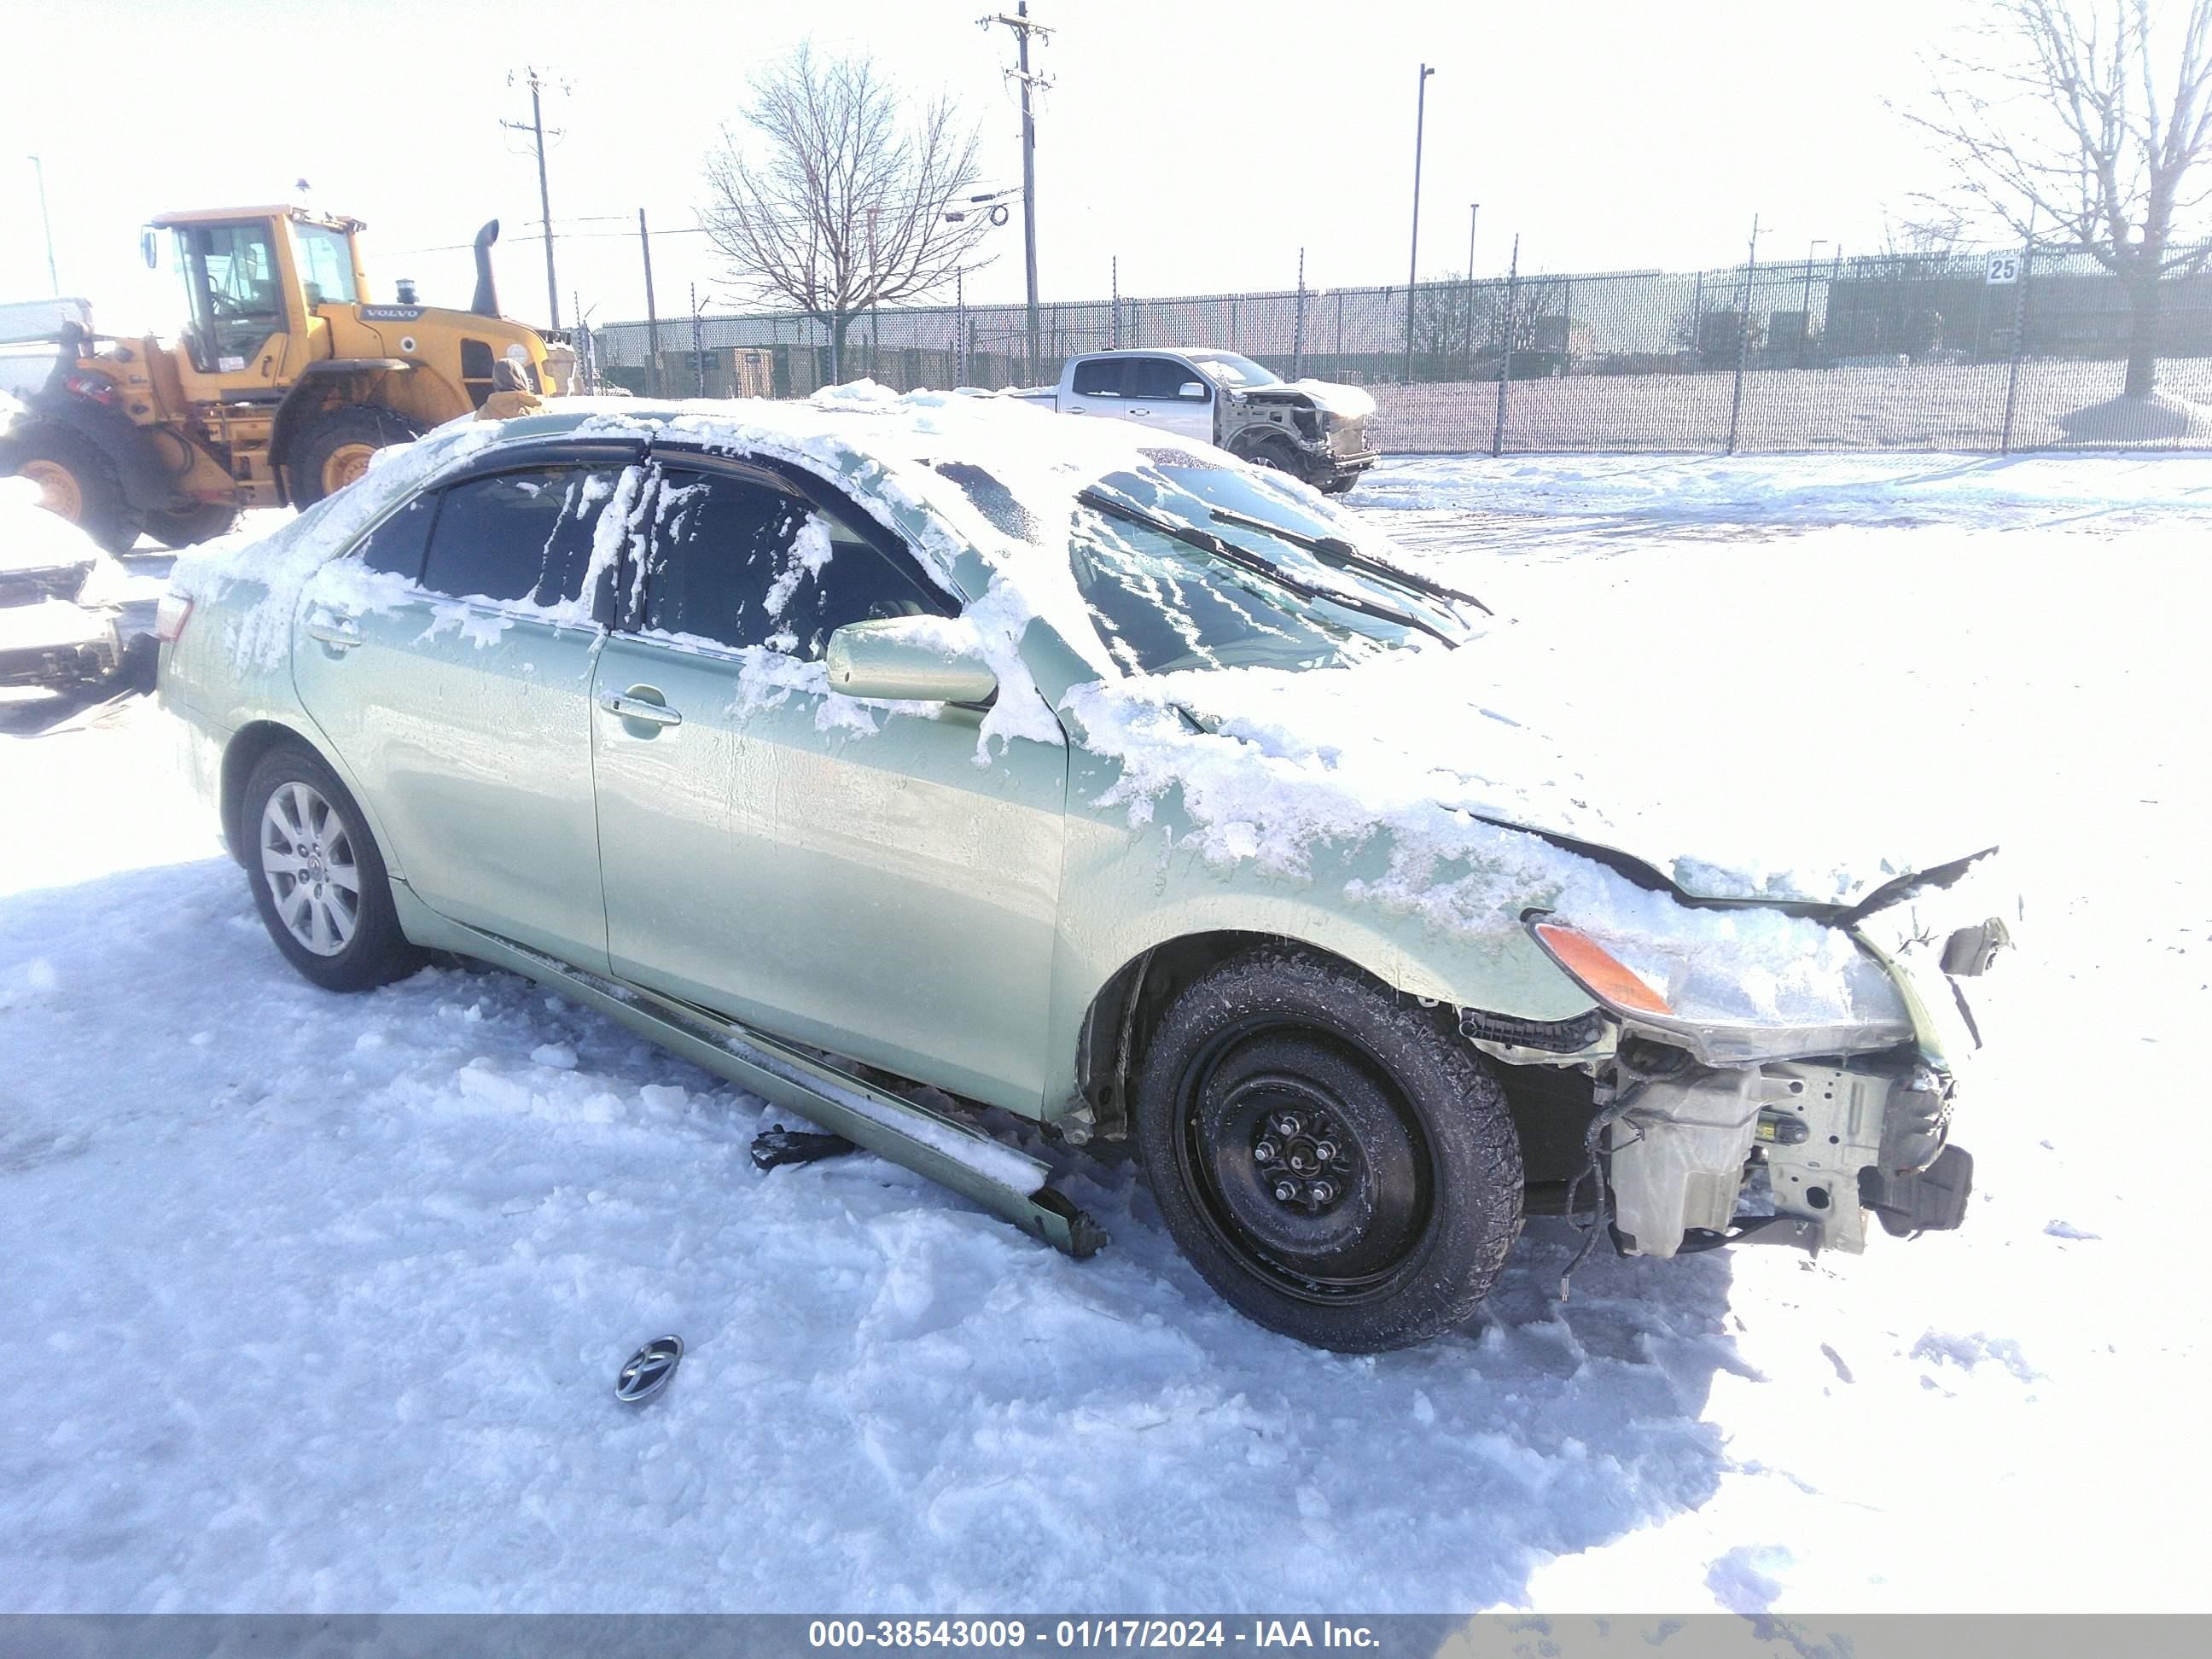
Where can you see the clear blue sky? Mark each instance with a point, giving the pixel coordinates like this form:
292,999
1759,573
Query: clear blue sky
1204,142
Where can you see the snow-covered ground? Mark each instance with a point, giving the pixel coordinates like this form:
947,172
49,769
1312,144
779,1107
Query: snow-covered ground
316,1303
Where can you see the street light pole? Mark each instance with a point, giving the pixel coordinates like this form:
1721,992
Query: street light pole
1474,209
1805,339
53,280
1413,261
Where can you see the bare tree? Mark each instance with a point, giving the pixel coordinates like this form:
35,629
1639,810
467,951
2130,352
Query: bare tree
841,201
2080,114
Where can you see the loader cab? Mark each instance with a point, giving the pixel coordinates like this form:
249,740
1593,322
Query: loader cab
253,280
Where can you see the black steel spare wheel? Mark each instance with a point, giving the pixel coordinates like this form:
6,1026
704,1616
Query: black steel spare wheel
1332,1157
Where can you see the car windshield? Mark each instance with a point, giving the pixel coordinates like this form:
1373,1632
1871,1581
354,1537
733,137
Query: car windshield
1227,369
1185,563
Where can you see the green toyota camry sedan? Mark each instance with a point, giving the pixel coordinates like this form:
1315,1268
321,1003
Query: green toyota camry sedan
907,758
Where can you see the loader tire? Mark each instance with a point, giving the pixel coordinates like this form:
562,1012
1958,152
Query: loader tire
187,527
335,448
78,482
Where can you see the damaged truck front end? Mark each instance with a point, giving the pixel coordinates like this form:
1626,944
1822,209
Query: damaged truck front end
1705,1129
1323,433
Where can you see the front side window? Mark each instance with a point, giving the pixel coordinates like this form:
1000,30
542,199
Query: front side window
741,563
326,265
520,538
233,291
1159,378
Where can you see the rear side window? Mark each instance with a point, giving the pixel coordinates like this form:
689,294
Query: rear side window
1099,378
743,563
519,538
398,544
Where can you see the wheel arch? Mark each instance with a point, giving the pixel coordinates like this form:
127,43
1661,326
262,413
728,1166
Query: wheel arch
243,752
333,384
1118,1023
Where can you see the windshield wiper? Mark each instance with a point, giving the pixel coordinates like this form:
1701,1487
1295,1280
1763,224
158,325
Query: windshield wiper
1336,551
1265,568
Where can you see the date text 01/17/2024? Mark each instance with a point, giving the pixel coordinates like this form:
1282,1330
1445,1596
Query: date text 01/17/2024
1012,1634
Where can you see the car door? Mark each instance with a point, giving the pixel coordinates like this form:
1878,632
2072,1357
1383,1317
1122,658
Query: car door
1095,388
456,686
1153,390
839,872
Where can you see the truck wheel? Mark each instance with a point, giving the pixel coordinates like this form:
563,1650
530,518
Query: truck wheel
78,482
1280,457
336,448
189,526
317,879
1329,1155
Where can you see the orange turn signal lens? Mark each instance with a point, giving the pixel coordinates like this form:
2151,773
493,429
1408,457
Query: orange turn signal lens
1604,977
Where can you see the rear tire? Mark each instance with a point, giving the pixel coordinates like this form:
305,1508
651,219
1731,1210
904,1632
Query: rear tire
189,526
336,448
1329,1155
78,482
317,879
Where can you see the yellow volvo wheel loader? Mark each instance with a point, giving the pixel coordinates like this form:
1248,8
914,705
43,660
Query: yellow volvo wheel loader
284,380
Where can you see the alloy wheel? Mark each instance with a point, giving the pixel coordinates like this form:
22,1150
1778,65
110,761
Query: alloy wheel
308,860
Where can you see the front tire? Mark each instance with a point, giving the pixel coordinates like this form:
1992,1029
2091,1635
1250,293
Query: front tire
317,879
1279,456
336,449
78,482
1329,1155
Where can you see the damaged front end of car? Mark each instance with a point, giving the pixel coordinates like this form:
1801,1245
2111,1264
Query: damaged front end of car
1714,1120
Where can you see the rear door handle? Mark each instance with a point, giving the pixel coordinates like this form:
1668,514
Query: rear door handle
634,708
332,629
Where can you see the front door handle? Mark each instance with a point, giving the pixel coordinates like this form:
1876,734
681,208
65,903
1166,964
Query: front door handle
640,703
332,629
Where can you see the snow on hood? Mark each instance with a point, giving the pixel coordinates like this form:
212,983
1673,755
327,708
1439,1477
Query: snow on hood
1444,746
1348,401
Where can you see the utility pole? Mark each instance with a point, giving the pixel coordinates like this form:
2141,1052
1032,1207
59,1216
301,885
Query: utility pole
52,281
537,131
651,316
1023,28
1413,261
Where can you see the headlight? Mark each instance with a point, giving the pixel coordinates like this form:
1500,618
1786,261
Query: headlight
1734,992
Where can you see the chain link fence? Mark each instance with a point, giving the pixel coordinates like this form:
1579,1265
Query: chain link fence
1998,350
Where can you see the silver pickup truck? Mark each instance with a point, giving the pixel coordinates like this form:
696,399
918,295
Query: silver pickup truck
1314,430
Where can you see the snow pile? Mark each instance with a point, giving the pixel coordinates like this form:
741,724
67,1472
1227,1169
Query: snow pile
2156,418
32,538
1799,492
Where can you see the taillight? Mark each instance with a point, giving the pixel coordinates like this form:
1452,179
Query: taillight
170,618
98,387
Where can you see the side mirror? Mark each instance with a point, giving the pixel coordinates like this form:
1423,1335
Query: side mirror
148,250
911,659
1195,389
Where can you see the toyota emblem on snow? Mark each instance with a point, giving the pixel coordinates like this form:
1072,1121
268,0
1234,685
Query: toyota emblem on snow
649,1370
